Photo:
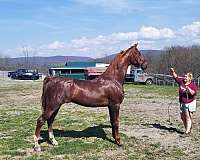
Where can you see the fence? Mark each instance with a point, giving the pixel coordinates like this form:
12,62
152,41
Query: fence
162,79
159,79
4,75
197,81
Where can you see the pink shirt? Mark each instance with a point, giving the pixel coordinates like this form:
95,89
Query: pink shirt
185,96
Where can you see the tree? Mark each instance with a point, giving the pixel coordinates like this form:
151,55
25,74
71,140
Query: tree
183,59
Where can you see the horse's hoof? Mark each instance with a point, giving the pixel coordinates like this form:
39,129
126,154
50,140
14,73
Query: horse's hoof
53,142
37,149
120,145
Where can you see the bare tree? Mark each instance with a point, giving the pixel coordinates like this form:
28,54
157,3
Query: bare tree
26,56
183,59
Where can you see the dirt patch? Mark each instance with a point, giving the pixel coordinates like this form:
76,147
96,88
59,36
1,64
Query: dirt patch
158,121
155,120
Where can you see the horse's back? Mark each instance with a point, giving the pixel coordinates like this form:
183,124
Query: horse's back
50,78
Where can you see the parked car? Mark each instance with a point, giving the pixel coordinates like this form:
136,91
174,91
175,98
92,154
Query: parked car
24,74
10,73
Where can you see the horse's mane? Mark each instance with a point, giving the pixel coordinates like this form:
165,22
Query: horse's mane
116,60
120,55
117,57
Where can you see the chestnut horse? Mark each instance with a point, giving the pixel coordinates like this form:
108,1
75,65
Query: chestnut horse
106,90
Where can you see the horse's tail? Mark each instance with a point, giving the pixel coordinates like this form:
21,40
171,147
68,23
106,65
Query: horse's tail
43,98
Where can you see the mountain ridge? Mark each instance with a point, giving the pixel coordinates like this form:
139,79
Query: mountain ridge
61,60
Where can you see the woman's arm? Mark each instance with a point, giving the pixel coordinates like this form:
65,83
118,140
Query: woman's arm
190,90
173,73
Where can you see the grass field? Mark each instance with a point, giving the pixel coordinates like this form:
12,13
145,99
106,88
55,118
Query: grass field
82,133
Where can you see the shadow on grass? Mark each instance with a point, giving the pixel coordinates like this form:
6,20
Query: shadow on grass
162,127
95,131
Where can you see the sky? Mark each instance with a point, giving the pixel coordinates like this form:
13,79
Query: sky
95,28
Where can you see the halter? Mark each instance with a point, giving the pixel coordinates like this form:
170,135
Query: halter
137,56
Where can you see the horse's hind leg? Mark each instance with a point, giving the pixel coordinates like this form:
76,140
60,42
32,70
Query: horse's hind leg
40,122
114,120
50,127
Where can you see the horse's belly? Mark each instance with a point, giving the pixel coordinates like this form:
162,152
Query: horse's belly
89,101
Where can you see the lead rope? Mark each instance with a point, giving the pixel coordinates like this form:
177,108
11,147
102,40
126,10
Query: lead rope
187,91
168,109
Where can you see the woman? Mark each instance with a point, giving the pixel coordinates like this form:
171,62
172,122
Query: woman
187,98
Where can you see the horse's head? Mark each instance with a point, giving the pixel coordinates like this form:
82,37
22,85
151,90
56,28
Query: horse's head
136,58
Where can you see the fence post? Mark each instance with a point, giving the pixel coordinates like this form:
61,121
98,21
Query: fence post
156,80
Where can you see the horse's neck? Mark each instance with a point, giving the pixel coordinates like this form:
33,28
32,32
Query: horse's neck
117,71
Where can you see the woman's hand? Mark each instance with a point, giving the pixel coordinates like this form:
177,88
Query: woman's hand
173,72
188,89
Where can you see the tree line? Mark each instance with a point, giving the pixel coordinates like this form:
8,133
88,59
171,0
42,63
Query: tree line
6,64
183,59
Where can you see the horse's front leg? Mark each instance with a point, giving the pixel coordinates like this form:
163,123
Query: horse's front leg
114,120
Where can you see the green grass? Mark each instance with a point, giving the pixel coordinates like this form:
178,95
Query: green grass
154,89
80,132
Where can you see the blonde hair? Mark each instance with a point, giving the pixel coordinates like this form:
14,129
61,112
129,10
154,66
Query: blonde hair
189,74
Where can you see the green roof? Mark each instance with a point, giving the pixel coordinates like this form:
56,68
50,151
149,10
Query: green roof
80,64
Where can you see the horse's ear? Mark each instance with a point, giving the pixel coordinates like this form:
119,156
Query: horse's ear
121,51
135,45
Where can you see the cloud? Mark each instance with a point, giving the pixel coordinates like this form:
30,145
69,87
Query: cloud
112,6
25,49
196,41
154,33
56,45
145,34
124,36
148,37
112,43
190,30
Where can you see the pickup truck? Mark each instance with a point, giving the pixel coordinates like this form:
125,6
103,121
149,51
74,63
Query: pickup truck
138,75
132,75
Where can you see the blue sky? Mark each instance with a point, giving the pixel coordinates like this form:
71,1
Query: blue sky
95,28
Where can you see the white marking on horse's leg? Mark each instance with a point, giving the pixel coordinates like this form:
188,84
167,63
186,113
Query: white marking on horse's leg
36,146
52,139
